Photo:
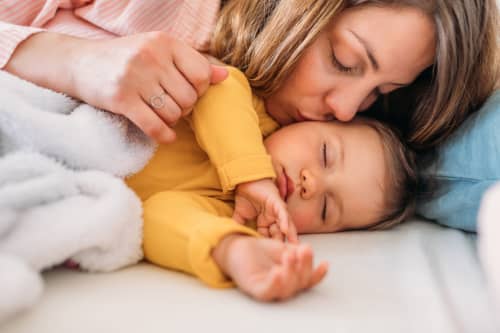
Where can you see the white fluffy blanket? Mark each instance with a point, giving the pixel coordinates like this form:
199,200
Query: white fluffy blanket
61,190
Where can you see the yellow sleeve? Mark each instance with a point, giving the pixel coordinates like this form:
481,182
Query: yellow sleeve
181,229
226,126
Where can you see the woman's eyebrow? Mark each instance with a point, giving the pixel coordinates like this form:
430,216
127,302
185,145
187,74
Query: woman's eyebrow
373,60
368,50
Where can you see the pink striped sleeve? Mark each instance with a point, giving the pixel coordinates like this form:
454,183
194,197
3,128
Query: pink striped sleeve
195,22
189,20
19,19
11,36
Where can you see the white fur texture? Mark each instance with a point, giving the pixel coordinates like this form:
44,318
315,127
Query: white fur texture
21,286
82,137
61,195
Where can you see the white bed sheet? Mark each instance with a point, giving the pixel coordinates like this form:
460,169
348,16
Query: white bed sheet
418,277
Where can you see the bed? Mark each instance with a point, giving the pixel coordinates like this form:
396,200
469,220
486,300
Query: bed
417,277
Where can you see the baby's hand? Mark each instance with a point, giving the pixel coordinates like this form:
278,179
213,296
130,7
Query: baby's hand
267,269
261,200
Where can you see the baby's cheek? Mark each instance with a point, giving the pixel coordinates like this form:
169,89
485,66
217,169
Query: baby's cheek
303,219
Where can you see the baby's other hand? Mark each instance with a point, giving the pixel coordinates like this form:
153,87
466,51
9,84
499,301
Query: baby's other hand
266,269
261,200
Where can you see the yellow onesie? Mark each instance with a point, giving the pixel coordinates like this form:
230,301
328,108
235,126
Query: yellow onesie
187,186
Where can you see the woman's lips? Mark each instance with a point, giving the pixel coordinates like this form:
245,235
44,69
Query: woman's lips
299,117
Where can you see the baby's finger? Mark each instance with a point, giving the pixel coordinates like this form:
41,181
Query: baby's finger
238,218
290,285
292,235
264,232
282,217
304,265
275,233
266,290
318,274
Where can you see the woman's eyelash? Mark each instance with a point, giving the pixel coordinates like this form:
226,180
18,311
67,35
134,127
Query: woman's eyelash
339,66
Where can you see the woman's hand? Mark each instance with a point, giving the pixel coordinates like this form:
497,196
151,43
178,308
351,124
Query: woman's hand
151,78
268,269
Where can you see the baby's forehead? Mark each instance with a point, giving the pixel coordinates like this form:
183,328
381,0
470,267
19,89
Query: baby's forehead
356,126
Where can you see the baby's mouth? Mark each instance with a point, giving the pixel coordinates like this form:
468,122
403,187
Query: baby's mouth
290,187
281,182
285,185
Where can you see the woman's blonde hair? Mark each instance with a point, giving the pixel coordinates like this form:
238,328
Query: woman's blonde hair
265,39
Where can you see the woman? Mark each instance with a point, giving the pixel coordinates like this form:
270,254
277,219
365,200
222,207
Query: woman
455,46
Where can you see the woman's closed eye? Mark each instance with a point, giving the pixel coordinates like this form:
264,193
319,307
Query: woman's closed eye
339,66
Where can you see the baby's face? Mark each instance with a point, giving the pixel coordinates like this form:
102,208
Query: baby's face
331,175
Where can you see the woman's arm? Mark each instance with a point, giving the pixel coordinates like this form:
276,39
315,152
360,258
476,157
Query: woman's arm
121,75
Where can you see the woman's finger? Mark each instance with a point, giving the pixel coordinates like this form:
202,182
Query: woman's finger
164,106
149,122
179,88
219,73
194,67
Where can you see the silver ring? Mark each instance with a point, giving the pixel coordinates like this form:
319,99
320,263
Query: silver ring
157,101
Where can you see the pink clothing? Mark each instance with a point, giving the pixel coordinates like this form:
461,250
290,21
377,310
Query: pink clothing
188,20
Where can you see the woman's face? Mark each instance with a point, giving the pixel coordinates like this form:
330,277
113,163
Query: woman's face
365,52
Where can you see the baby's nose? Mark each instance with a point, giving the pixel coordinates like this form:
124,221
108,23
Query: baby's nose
308,184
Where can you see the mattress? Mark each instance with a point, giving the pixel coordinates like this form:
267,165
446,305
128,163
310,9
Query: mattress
417,277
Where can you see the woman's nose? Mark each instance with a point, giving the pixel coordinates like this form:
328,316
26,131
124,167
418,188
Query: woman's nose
308,184
344,106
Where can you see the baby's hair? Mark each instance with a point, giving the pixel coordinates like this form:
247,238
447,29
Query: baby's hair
401,186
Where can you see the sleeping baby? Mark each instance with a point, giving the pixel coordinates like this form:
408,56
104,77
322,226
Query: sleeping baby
220,201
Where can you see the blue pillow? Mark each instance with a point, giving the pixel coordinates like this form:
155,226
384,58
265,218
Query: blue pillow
467,165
